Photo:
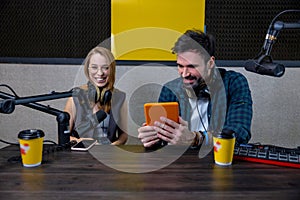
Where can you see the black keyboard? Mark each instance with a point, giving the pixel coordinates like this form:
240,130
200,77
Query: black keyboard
268,154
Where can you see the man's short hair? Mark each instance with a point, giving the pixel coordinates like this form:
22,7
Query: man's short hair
195,40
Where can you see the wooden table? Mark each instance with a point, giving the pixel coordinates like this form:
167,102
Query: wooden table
66,174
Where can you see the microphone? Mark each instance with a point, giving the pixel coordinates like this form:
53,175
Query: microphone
265,66
263,63
90,123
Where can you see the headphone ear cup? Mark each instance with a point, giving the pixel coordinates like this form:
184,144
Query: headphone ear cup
105,97
203,93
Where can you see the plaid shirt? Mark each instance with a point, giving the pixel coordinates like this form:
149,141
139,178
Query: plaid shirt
230,104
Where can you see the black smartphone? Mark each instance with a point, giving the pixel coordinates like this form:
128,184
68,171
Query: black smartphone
84,145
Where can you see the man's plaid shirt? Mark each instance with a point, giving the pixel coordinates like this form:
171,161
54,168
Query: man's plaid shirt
230,104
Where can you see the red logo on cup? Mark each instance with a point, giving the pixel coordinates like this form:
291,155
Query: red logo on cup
217,146
24,148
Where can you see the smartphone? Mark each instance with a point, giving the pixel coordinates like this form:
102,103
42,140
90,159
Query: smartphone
84,145
153,111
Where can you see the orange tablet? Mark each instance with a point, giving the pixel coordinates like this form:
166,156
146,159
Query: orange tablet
153,111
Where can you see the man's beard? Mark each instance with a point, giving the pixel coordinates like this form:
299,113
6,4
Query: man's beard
196,87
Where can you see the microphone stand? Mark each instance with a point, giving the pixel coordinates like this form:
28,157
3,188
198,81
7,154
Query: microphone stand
62,117
272,35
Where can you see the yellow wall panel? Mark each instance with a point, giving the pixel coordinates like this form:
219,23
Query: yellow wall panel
147,29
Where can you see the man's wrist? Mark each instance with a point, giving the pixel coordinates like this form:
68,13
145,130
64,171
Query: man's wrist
198,139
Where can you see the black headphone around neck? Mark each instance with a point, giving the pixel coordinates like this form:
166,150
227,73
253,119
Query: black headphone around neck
96,94
199,93
203,93
105,96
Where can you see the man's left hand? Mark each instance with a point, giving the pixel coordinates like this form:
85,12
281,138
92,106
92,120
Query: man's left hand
173,132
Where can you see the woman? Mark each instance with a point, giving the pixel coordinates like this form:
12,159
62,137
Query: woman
100,96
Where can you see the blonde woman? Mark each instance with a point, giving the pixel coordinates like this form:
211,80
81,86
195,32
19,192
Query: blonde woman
101,97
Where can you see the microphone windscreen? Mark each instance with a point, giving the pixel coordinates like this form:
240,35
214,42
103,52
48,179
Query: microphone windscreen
251,65
100,115
272,69
265,68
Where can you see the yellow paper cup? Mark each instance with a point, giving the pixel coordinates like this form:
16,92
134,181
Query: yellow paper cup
223,150
31,147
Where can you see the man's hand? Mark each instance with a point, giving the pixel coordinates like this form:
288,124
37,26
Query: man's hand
173,132
147,135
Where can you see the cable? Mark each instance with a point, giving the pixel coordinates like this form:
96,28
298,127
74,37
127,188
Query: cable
7,86
285,11
205,130
201,120
8,142
11,143
50,141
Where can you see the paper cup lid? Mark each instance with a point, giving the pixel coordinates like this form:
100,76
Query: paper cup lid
30,134
225,136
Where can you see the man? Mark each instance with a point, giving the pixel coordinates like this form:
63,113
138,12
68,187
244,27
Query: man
211,100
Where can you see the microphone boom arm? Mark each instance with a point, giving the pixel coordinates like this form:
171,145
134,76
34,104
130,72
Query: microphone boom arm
62,117
272,35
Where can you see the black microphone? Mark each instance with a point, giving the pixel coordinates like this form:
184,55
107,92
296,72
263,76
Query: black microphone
90,123
263,63
265,66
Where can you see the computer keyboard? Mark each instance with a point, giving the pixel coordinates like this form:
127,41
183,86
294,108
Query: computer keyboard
268,154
